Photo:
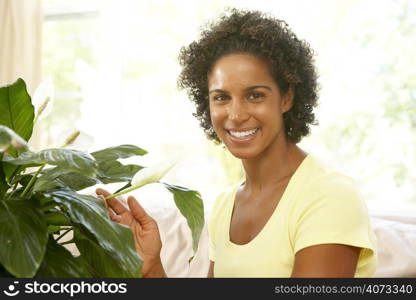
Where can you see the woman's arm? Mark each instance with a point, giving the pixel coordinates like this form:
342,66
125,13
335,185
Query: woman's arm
211,269
153,270
326,260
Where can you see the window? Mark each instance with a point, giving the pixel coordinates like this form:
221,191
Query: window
114,64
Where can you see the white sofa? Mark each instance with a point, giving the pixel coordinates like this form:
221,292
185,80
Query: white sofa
396,241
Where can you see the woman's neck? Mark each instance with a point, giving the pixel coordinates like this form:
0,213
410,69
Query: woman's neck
274,165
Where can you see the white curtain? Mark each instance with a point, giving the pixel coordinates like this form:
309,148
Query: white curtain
20,42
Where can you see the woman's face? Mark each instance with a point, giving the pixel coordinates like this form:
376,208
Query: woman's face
246,105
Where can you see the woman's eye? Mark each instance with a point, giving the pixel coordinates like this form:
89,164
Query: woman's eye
220,97
255,95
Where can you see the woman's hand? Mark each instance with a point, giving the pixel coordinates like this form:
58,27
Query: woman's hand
144,227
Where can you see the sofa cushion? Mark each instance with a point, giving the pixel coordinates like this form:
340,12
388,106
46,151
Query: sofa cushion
396,242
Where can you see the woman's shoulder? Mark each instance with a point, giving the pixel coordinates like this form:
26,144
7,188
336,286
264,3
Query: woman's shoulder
322,176
330,197
324,185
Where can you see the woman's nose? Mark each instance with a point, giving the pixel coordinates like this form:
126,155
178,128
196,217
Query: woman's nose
237,111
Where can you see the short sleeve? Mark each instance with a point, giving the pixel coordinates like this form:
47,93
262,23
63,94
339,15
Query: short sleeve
334,213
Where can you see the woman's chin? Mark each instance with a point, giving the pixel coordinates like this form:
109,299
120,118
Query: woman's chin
242,153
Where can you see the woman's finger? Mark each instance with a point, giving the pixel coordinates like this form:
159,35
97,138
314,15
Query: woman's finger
138,211
115,218
112,202
111,213
105,204
101,191
116,205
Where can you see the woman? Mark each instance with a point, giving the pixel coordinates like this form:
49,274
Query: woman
255,86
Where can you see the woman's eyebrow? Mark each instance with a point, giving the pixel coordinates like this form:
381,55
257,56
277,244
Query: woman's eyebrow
258,86
247,89
217,90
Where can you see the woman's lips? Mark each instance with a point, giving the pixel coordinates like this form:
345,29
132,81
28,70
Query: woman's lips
242,139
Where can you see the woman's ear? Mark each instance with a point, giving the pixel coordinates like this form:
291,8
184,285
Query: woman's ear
288,99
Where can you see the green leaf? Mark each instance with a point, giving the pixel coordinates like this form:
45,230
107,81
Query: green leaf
110,169
53,173
57,177
90,212
3,184
77,181
93,256
81,262
68,159
113,153
42,184
4,273
56,217
16,109
191,206
23,237
43,201
59,263
114,171
53,229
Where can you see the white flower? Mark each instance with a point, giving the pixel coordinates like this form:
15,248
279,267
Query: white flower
148,175
153,173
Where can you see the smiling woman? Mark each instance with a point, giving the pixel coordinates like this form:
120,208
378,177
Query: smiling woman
258,100
255,87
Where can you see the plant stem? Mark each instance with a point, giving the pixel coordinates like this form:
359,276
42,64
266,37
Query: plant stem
15,186
63,234
32,181
67,242
123,191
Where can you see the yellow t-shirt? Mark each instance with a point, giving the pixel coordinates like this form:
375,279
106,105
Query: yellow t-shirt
319,206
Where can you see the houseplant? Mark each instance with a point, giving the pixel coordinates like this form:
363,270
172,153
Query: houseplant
40,203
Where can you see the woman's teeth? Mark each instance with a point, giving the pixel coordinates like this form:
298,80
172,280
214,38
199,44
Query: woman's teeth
241,134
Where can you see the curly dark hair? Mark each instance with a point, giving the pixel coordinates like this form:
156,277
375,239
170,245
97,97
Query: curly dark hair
243,31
